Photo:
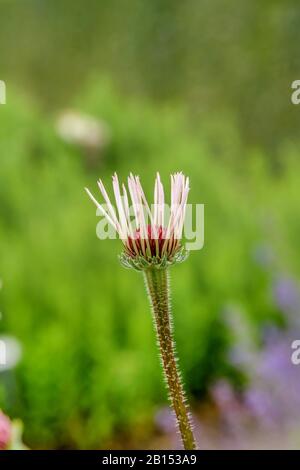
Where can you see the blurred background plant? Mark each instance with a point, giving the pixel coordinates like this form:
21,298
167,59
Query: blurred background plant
10,434
202,87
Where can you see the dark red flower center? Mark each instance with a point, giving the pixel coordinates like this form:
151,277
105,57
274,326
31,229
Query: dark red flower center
156,242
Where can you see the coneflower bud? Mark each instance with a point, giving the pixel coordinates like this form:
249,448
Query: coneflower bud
148,236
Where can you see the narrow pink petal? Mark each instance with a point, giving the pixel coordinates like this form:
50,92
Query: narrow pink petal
108,203
101,209
121,211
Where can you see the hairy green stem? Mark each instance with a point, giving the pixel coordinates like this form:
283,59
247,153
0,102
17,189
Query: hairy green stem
157,283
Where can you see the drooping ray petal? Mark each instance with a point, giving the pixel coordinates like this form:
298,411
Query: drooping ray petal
108,203
101,209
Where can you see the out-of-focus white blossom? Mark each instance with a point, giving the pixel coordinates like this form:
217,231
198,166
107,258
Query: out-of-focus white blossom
83,130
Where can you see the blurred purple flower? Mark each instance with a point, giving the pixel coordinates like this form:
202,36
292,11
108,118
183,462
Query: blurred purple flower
227,402
271,397
165,420
270,334
260,405
232,415
223,394
240,357
286,294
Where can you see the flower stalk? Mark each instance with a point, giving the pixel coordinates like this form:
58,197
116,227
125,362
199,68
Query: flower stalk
158,287
151,243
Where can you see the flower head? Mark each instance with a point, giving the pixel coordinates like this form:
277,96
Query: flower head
150,236
5,431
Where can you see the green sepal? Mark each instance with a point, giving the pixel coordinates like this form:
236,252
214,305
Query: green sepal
140,263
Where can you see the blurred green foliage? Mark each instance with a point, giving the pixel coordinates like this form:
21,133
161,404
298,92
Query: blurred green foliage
90,367
230,59
204,88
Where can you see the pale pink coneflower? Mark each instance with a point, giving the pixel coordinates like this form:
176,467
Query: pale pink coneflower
147,236
151,240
